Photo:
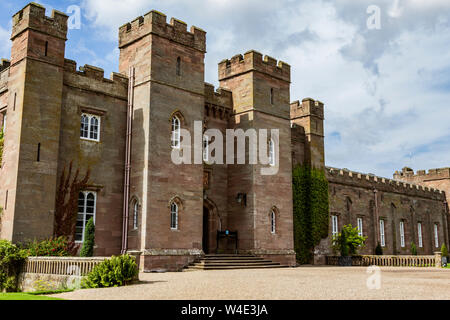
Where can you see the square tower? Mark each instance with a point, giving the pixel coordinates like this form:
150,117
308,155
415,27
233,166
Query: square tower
261,93
30,159
168,64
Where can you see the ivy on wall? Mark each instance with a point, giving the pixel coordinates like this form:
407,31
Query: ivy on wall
311,210
1,147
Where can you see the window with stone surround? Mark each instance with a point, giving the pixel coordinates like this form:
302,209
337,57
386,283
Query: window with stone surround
334,226
402,234
178,66
382,235
90,127
174,216
176,132
87,201
135,208
436,235
360,226
272,160
273,226
419,232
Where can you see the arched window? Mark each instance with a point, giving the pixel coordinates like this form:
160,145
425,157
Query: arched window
178,66
176,132
135,214
90,127
273,222
205,148
86,210
174,216
272,160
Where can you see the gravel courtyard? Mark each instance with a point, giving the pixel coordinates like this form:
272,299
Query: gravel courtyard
304,283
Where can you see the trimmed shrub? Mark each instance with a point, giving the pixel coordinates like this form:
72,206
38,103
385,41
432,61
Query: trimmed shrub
54,247
115,272
89,239
444,250
379,250
413,249
11,260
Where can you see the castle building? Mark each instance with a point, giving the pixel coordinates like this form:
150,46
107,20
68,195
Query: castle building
125,128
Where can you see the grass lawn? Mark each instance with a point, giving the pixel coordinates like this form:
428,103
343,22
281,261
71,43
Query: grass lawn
23,296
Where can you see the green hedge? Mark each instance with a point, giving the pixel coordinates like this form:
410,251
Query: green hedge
311,210
11,260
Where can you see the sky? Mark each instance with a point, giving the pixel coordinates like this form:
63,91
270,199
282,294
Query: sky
386,89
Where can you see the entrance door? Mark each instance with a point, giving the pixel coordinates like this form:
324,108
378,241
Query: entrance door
205,230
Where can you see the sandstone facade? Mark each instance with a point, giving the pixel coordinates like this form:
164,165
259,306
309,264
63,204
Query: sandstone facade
43,98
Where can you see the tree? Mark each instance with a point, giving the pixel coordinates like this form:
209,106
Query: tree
348,241
444,250
89,239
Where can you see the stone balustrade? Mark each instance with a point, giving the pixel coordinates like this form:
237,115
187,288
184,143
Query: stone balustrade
61,265
392,261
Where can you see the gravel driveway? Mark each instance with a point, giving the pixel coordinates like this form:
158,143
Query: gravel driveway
318,283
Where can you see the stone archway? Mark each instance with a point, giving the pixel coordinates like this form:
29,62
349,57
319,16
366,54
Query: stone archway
211,224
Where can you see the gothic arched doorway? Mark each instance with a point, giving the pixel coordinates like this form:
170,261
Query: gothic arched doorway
211,224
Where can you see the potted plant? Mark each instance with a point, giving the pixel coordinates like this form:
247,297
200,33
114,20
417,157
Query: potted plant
413,249
347,243
379,250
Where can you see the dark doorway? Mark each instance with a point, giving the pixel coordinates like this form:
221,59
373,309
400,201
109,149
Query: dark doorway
205,230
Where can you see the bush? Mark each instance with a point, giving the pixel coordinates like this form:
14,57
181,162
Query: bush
11,260
54,247
413,249
379,250
115,272
444,250
1,145
348,241
89,239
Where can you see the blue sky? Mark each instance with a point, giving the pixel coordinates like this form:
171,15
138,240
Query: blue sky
386,91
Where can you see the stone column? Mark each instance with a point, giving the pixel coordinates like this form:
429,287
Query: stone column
438,259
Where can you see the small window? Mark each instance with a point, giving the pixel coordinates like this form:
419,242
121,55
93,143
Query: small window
436,235
334,226
135,214
402,234
360,227
178,66
382,237
271,96
419,231
90,127
273,218
176,132
86,210
272,159
206,148
46,48
38,158
174,216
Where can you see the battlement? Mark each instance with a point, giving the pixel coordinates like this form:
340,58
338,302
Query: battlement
254,61
432,174
95,73
352,178
4,64
155,22
307,107
32,16
221,97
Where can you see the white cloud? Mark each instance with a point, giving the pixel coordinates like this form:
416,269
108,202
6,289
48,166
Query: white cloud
386,91
5,43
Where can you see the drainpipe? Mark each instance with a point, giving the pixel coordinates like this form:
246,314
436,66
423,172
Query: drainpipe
126,187
377,218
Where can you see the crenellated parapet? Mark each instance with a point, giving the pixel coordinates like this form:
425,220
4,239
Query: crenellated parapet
370,181
4,64
33,17
155,22
422,175
254,61
308,107
218,104
92,78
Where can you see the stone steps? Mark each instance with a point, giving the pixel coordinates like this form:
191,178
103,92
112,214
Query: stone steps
230,262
